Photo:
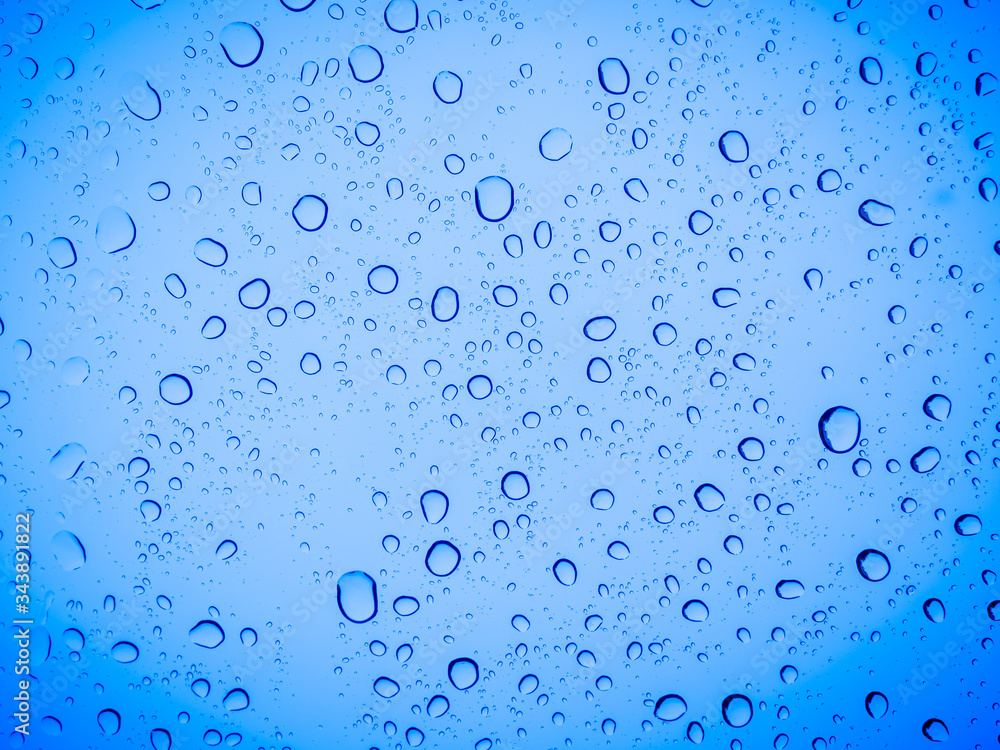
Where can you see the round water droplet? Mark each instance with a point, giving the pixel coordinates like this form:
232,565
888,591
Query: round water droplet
515,485
968,525
444,305
876,704
737,710
463,673
396,375
365,63
124,652
937,407
700,222
814,279
918,247
479,387
663,514
310,363
67,461
875,213
871,71
725,297
618,551
734,147
242,43
236,700
448,86
664,334
115,230
494,198
555,144
437,706
602,499
695,610
670,708
598,370
829,180
599,329
565,572
527,685
383,279
751,449
873,565
897,314
175,389
356,596
367,133
434,505
386,687
925,459
210,252
636,190
226,549
61,253
709,497
934,610
733,545
254,294
789,589
310,213
160,739
926,64
213,328
840,429
613,75
935,730
201,688
175,286
207,634
442,558
110,721
401,16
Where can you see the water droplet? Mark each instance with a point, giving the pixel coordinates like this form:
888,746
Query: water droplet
110,721
618,551
236,700
175,389
934,610
613,75
709,497
829,180
226,549
401,16
700,222
556,144
664,334
876,704
840,429
365,63
479,387
599,329
871,71
207,634
737,710
814,279
444,305
201,688
751,449
670,708
210,252
789,589
875,213
528,684
515,485
356,596
873,565
695,610
396,375
598,370
897,314
494,198
636,190
925,459
463,673
386,687
968,525
442,558
734,147
160,739
61,253
124,652
602,499
115,230
310,213
565,572
383,279
926,64
725,297
242,43
448,86
254,294
437,706
67,461
935,730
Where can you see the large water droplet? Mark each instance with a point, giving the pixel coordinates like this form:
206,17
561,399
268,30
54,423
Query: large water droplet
124,652
210,252
555,144
310,213
613,75
789,589
236,700
401,16
871,71
463,673
442,558
175,389
494,198
366,63
737,710
448,86
600,328
444,305
935,730
925,459
110,721
709,497
840,429
695,610
242,43
700,222
734,147
515,485
356,596
565,572
67,461
115,230
670,708
876,704
873,565
875,213
207,634
68,550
